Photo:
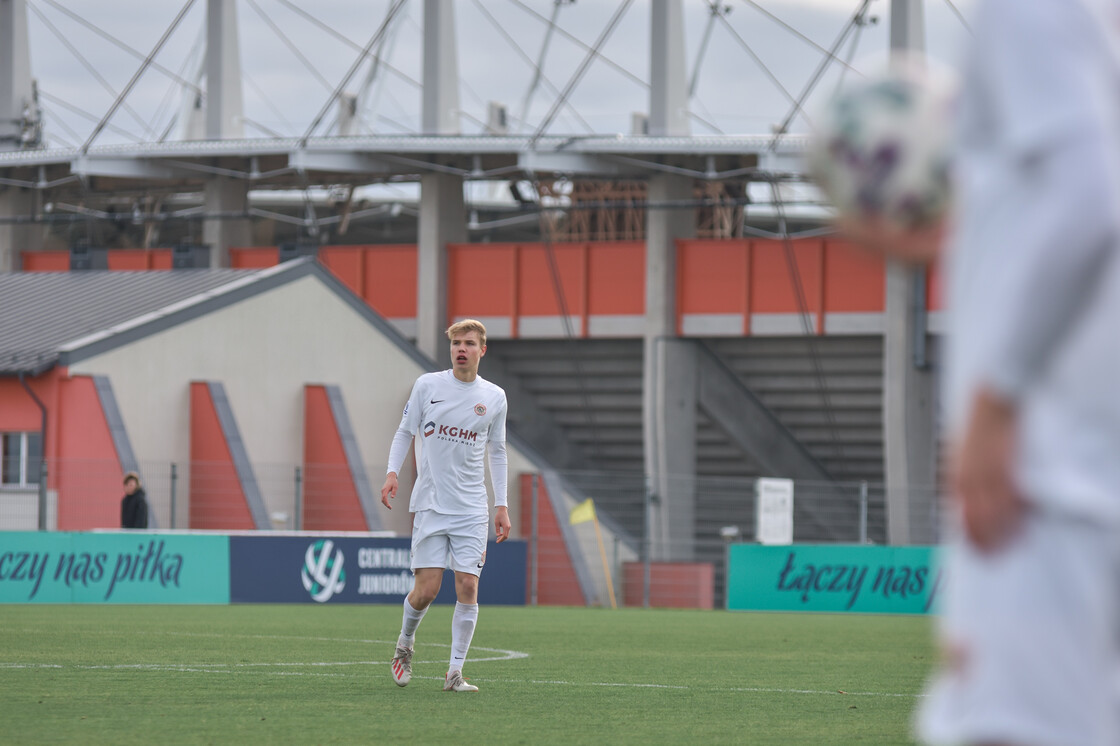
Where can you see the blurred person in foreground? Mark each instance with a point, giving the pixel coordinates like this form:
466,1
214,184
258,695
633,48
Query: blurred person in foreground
462,418
134,504
1031,613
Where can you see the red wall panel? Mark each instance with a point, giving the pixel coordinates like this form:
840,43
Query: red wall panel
536,287
854,280
45,261
254,257
616,278
87,471
557,584
216,498
712,276
330,499
481,280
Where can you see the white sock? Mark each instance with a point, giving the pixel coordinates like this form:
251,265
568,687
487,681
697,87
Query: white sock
462,630
411,621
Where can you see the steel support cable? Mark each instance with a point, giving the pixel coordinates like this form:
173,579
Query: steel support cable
583,45
84,62
117,42
793,30
60,122
353,45
393,10
758,60
851,53
715,8
169,95
565,316
86,115
960,16
538,66
292,47
271,107
581,70
854,22
806,325
538,73
136,76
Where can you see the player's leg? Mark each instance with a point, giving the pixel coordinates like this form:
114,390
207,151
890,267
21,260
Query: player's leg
1031,638
429,553
468,555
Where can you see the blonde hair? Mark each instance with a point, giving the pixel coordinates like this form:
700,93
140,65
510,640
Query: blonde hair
468,325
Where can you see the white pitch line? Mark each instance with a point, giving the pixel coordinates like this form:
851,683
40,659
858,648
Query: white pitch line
255,668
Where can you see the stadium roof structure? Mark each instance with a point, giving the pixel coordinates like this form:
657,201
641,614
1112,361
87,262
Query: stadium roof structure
57,318
279,163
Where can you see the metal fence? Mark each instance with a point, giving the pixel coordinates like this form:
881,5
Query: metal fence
652,544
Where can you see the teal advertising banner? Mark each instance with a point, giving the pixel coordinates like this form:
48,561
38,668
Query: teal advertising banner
127,568
831,577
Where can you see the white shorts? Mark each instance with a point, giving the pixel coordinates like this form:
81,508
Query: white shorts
1032,639
454,541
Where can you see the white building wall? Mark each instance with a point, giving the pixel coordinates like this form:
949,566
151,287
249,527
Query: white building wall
264,350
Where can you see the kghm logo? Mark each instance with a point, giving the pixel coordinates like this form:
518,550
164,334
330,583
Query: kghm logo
429,428
322,573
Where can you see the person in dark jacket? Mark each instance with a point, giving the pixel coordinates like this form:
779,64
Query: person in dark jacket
134,506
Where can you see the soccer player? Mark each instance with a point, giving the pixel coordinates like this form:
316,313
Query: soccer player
459,417
1031,609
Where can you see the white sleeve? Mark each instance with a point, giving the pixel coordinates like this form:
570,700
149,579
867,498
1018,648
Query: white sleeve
499,471
410,420
1050,251
397,452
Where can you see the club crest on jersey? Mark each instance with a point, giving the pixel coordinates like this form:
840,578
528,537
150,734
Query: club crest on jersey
480,409
429,428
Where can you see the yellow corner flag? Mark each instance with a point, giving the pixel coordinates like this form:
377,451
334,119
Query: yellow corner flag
582,513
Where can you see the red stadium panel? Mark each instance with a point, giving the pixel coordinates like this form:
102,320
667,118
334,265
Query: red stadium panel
544,280
160,258
557,584
45,261
780,291
217,500
330,499
389,279
138,259
88,469
347,264
616,278
672,585
254,257
854,279
481,283
713,283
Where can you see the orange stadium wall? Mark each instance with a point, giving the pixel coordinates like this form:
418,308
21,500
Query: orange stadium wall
83,464
20,413
217,500
557,584
89,468
330,498
724,287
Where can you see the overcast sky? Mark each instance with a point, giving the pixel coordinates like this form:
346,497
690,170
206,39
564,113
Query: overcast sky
735,93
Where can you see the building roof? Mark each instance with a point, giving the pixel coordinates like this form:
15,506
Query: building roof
51,318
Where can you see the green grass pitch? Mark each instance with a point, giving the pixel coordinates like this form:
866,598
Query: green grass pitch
320,675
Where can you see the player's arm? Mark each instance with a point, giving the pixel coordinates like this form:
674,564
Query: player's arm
1047,256
1043,262
499,475
402,439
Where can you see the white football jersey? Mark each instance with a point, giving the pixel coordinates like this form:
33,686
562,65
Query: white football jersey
452,422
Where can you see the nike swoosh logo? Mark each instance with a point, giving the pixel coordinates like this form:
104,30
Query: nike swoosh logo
435,401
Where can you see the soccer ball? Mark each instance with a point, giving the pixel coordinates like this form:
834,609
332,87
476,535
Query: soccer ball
881,148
